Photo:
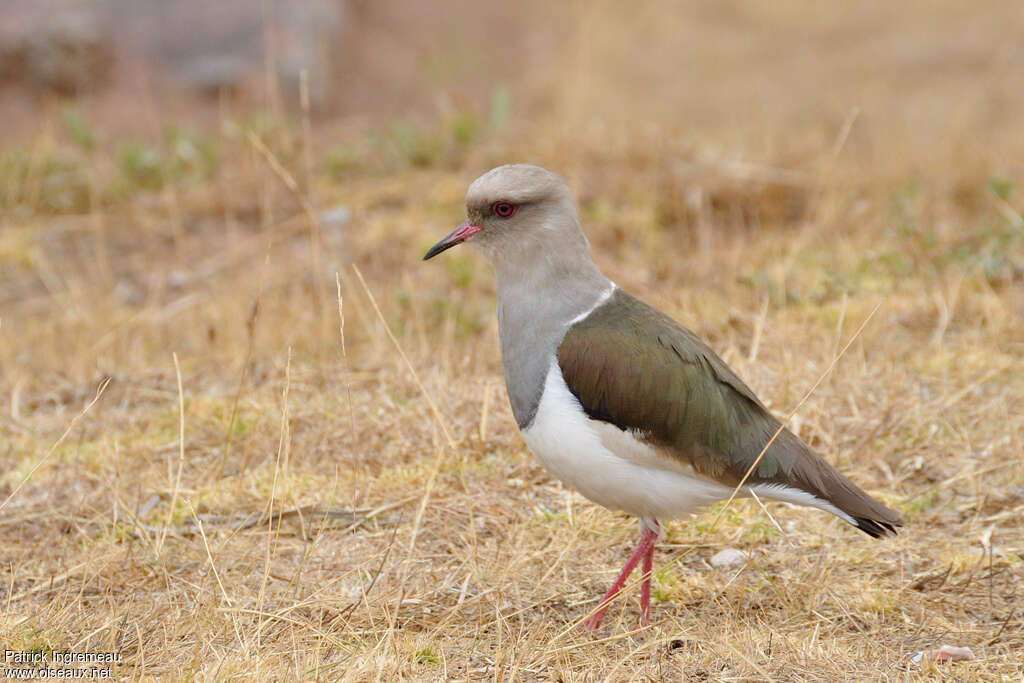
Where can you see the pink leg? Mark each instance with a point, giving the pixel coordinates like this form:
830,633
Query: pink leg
644,550
645,587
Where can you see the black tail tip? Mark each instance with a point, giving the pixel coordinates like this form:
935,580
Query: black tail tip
876,528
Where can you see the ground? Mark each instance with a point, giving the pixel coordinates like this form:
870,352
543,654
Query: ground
248,434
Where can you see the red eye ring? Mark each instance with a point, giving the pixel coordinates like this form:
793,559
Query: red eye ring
503,209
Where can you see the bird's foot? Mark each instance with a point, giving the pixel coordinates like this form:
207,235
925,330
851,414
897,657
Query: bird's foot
644,551
593,623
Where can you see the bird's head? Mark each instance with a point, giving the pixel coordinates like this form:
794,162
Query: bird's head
516,209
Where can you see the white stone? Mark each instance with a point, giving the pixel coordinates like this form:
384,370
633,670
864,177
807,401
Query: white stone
336,216
729,557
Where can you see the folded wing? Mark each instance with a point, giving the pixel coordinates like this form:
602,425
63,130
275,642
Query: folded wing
636,368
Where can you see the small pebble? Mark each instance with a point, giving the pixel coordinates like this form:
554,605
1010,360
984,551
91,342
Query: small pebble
729,557
944,653
336,215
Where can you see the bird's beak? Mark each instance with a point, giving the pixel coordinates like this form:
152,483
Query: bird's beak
456,236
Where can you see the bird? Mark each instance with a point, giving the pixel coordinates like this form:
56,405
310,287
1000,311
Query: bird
618,400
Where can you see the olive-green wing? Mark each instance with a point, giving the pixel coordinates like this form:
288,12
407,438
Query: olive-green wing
634,367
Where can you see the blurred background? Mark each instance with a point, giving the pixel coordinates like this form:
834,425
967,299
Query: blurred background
203,179
354,126
928,78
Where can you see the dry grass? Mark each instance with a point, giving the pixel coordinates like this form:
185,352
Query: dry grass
406,543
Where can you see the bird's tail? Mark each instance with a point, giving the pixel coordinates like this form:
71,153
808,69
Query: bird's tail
813,481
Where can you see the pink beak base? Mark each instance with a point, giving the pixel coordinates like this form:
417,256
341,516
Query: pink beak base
456,236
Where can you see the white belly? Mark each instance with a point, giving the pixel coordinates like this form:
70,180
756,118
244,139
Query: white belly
608,465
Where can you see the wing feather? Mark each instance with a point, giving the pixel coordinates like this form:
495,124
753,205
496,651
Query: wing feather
634,367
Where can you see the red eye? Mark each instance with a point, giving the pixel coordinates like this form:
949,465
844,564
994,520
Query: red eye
503,209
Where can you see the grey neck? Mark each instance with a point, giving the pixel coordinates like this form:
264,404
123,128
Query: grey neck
541,288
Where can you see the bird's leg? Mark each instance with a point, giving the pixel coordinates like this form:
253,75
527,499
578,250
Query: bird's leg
645,587
644,550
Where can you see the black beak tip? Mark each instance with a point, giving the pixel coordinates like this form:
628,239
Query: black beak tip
437,249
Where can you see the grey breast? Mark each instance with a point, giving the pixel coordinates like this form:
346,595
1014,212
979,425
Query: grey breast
533,317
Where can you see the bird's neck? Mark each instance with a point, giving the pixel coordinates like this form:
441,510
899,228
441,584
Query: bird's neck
550,288
538,297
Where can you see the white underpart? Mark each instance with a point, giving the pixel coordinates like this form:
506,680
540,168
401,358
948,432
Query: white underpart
617,470
605,295
608,465
786,494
